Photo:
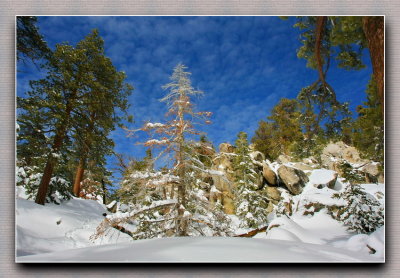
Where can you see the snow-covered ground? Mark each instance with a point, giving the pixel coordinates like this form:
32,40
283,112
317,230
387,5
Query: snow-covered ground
204,249
62,233
51,228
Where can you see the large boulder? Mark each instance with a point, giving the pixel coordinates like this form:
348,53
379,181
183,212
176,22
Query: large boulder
294,179
372,173
269,174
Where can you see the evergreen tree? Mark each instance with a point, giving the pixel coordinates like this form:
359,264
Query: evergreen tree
343,38
79,81
368,128
132,189
30,43
363,213
283,129
250,204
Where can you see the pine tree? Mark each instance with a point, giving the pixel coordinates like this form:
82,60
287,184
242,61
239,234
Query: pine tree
363,213
79,81
250,204
343,38
30,43
368,128
283,129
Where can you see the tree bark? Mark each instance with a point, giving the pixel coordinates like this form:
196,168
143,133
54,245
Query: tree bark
78,177
51,159
48,170
319,31
374,31
103,186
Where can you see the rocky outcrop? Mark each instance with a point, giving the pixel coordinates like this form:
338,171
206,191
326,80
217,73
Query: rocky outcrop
269,174
335,153
372,173
224,183
294,179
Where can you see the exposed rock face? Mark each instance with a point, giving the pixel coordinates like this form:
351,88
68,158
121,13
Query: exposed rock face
223,162
372,173
293,179
333,153
226,148
269,174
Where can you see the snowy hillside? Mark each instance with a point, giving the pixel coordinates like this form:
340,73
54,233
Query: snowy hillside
62,233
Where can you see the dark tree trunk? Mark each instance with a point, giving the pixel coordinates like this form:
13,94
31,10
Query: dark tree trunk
78,177
103,185
374,31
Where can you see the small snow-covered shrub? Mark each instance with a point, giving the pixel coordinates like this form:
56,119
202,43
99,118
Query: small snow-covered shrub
363,213
29,178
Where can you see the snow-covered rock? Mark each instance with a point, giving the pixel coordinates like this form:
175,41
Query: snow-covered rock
323,178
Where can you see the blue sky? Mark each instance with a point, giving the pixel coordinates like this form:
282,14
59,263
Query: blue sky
244,65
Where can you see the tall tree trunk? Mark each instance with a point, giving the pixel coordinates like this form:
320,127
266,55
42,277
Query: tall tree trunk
51,159
319,33
374,31
82,161
48,170
78,177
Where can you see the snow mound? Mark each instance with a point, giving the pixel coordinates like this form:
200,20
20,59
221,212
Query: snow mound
322,176
52,227
204,249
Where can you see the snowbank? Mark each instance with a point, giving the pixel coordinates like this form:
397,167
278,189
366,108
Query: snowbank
204,249
52,227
